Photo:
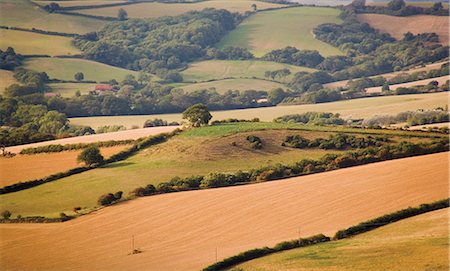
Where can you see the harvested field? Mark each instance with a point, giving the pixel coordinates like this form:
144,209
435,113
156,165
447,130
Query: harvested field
191,226
69,89
222,86
28,43
441,80
154,10
416,243
425,127
29,167
397,26
6,79
121,135
355,108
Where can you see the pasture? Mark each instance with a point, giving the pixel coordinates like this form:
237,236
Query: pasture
221,69
155,10
277,29
196,152
222,86
68,90
6,79
416,243
191,226
22,168
23,13
397,26
355,108
66,68
28,43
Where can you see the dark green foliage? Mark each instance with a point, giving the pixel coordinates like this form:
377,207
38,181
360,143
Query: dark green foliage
295,141
390,218
71,147
281,73
276,96
159,122
6,214
122,15
336,142
255,142
304,81
197,115
321,96
316,118
293,56
91,155
230,53
9,60
79,76
399,8
106,199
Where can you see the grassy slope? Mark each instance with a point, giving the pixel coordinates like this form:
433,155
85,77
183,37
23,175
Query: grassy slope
65,68
417,243
196,152
220,69
153,10
32,43
6,79
181,231
277,29
69,89
222,86
21,13
357,108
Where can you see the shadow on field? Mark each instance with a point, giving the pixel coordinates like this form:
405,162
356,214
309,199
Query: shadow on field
116,165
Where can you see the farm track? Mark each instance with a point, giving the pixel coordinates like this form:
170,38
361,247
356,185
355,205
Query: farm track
181,231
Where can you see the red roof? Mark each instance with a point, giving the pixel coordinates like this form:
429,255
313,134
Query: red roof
50,94
103,87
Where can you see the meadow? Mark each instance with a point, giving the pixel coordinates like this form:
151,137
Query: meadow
6,79
355,108
28,43
68,90
222,86
397,26
196,152
66,68
221,69
22,13
155,10
270,30
193,227
416,243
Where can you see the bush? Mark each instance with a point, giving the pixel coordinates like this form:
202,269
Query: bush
106,199
255,142
6,214
90,156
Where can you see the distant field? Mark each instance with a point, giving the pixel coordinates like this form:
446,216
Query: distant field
22,13
222,86
6,79
266,31
397,26
71,3
65,69
220,69
441,80
27,43
416,243
356,108
424,4
30,167
185,231
69,89
154,10
192,153
425,127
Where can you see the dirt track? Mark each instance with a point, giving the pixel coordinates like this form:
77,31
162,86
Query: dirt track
181,231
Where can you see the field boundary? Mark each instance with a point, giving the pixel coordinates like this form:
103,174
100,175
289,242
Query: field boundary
320,238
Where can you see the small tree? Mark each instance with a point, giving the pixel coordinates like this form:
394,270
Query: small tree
79,76
122,14
385,87
6,214
90,156
106,199
197,115
254,7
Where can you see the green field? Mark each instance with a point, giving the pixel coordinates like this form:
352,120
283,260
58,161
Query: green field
154,10
22,13
270,30
65,69
28,43
6,79
221,69
198,151
69,89
416,243
222,86
73,3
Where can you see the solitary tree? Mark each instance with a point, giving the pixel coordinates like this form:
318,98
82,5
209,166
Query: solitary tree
79,76
385,87
254,7
6,214
122,14
90,156
197,115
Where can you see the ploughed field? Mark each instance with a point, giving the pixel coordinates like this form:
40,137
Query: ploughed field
416,243
183,231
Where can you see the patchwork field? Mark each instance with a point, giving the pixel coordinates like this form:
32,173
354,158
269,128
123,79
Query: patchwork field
154,10
397,26
222,86
74,3
424,4
6,79
29,167
416,243
355,108
69,89
66,68
191,226
22,13
28,43
441,80
221,69
196,152
266,31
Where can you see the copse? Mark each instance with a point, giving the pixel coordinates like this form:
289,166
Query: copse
197,115
90,156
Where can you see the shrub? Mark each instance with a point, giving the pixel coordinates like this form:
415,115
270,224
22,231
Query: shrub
106,199
6,214
255,142
90,156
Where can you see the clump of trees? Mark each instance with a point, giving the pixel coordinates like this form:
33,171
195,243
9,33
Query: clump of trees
398,8
5,214
281,73
230,53
90,156
197,115
159,122
255,142
315,118
291,55
110,198
337,142
420,117
109,129
9,60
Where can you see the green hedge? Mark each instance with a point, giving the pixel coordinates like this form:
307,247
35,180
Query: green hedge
70,147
